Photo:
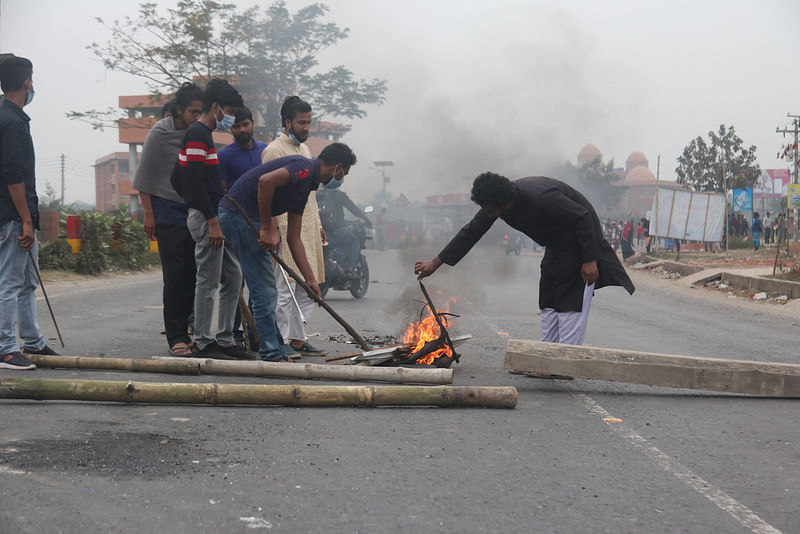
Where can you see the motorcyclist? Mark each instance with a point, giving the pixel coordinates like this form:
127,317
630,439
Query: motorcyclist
332,203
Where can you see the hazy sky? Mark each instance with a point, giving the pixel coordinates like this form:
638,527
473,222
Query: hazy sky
509,86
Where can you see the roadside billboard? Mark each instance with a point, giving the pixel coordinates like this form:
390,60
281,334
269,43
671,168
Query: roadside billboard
793,197
687,215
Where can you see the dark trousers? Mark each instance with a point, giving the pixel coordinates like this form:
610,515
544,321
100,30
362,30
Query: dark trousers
176,250
347,245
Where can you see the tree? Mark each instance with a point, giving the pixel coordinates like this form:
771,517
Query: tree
50,200
701,163
267,54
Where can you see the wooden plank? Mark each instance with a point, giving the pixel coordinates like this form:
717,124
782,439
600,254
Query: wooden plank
667,370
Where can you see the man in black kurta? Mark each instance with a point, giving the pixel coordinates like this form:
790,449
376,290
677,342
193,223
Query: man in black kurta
577,258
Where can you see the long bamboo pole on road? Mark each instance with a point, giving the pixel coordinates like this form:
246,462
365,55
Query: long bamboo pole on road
251,394
209,366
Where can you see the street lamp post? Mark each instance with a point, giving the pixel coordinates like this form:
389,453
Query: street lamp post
383,165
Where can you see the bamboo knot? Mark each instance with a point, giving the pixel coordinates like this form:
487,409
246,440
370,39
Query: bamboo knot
130,388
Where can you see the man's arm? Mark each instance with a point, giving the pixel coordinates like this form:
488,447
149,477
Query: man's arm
352,208
299,252
17,192
458,247
565,211
149,221
269,238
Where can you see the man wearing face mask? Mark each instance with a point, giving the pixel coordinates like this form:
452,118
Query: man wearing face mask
278,186
295,307
244,153
196,178
19,218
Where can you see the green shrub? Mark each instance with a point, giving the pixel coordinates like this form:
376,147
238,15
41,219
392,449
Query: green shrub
739,242
130,248
95,232
56,255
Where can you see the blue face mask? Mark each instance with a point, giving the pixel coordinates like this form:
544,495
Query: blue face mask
293,139
226,122
334,183
29,99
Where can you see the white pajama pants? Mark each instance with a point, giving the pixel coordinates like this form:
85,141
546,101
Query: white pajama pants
290,322
567,327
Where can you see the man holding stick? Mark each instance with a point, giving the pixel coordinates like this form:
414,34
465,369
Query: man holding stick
577,259
278,186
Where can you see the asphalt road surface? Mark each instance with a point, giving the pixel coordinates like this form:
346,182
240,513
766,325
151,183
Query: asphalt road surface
680,461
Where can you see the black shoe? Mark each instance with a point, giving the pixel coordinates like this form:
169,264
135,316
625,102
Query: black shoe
236,352
16,361
214,351
46,351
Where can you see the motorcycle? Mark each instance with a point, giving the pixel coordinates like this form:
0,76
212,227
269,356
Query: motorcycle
336,276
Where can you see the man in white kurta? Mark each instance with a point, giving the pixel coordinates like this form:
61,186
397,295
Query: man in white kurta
292,317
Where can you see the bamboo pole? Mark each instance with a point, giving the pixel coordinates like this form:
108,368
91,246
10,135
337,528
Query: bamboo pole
179,366
397,375
209,366
250,394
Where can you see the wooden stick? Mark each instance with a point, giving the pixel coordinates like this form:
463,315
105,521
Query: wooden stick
180,366
251,394
668,370
209,366
397,375
350,330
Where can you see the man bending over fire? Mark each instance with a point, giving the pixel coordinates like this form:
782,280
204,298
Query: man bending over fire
577,258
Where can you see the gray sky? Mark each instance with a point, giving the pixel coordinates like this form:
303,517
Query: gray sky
511,87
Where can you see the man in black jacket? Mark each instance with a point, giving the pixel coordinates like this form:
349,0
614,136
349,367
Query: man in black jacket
577,258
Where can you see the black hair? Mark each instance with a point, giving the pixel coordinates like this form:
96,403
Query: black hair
14,70
490,189
338,153
242,113
169,107
291,107
186,94
221,92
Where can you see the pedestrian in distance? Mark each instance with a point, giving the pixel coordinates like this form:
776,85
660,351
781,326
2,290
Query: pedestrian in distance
19,220
755,230
196,178
577,259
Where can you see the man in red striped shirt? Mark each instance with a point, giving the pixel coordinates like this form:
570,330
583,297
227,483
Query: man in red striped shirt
196,178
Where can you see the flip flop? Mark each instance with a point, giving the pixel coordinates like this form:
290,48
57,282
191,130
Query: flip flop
182,349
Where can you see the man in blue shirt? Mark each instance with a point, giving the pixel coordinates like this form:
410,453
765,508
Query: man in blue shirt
244,153
279,186
19,218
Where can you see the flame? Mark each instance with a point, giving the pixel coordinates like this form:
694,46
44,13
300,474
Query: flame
419,333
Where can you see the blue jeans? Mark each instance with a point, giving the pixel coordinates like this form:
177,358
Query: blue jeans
260,279
216,268
18,285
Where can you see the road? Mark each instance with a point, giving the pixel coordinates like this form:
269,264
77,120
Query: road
680,461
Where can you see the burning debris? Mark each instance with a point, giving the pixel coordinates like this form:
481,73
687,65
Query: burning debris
425,342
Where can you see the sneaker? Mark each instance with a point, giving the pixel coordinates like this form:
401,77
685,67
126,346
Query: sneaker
46,351
236,352
214,351
16,361
307,349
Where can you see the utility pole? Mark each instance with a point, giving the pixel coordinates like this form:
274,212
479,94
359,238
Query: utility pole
796,162
62,181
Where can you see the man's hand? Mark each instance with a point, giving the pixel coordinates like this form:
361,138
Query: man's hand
368,222
149,223
426,268
27,238
323,235
316,293
269,238
215,235
589,272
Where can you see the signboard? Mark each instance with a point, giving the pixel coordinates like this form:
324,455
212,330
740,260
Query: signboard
772,183
743,199
687,215
793,198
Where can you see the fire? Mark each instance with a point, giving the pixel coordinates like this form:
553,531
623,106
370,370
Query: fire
419,333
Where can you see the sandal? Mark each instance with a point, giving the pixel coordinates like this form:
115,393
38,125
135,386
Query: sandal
183,349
